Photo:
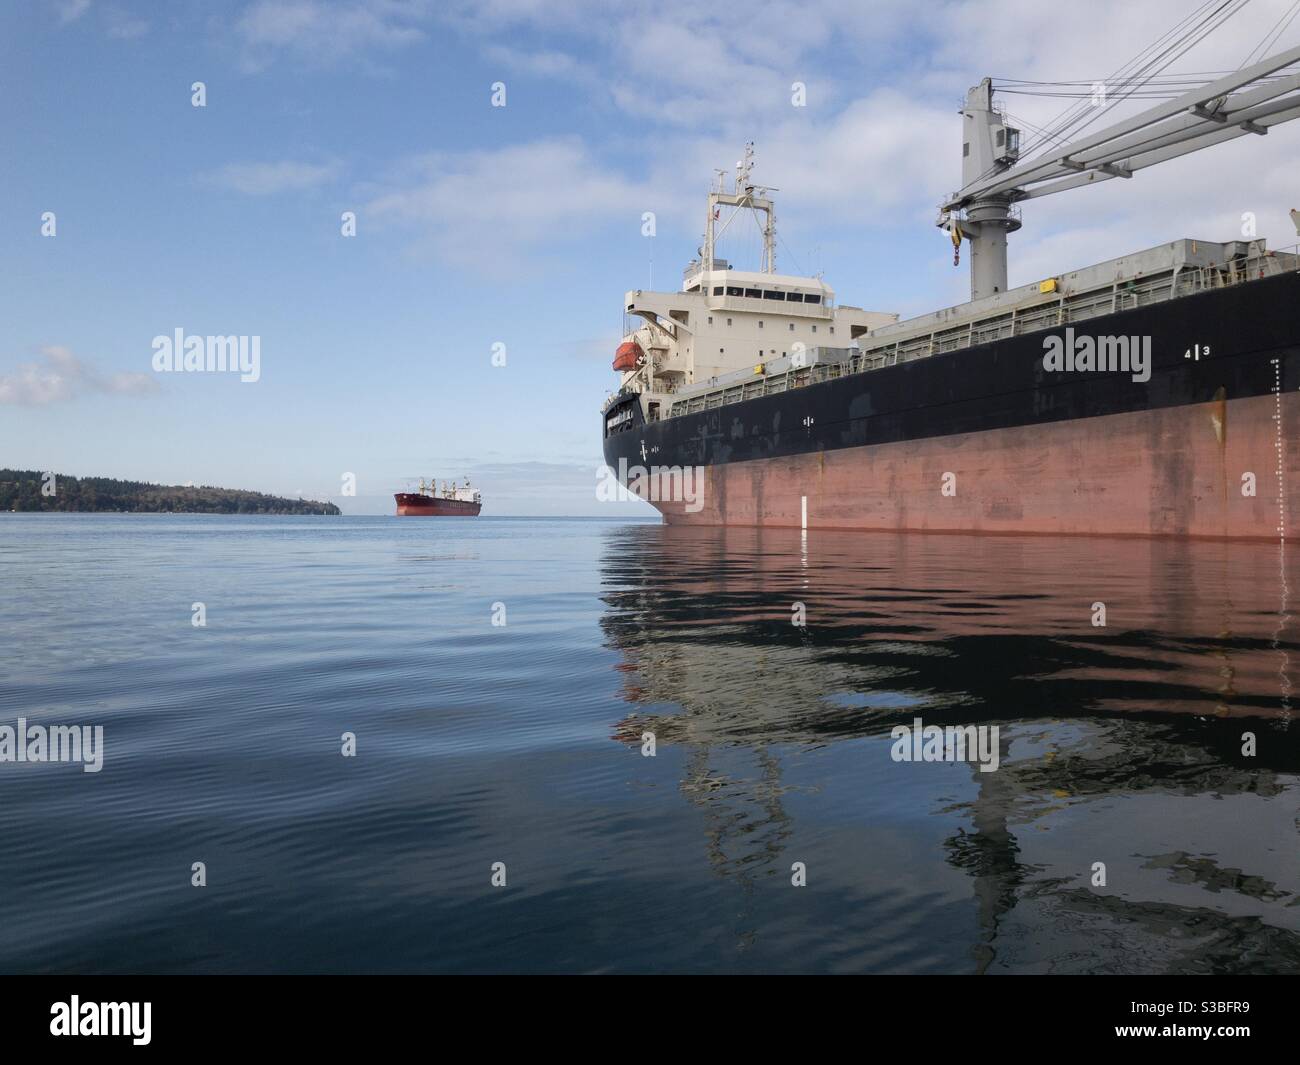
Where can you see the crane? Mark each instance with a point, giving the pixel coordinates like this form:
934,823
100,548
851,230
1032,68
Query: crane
1248,101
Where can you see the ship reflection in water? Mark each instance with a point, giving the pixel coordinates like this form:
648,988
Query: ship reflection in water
1120,745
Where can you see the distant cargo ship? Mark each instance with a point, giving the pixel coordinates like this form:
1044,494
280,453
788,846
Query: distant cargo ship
451,501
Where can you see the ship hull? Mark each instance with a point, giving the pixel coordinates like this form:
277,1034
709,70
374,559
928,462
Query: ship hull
414,505
987,440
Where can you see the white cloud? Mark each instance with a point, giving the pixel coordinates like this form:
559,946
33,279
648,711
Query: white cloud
60,375
486,208
680,63
542,63
327,31
123,26
70,11
489,209
884,82
877,145
115,21
266,179
874,157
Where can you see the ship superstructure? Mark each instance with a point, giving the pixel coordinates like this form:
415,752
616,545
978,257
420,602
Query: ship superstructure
726,320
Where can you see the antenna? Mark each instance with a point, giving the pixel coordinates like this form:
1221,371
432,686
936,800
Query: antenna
744,166
745,195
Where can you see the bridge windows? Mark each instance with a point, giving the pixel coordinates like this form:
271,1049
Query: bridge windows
766,294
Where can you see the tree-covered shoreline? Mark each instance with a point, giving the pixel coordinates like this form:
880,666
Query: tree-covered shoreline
25,491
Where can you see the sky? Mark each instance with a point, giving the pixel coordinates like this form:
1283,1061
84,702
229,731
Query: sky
514,229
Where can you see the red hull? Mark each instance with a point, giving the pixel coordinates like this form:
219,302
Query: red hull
1170,472
414,505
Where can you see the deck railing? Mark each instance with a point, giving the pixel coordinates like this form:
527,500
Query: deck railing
1122,296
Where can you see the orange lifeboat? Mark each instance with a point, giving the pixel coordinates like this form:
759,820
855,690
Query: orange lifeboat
628,356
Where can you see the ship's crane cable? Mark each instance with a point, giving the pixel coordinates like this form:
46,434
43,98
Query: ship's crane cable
1194,77
1272,36
1122,76
1075,124
1160,86
739,244
1157,63
1209,27
797,265
1135,74
1163,90
1024,123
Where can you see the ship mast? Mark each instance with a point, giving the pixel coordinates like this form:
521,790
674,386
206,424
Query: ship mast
745,195
1250,100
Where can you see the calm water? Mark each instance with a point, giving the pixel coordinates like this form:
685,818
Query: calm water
522,744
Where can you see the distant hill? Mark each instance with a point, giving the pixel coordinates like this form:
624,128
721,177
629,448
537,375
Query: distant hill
21,490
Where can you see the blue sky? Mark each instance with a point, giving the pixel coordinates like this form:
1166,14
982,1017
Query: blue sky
479,225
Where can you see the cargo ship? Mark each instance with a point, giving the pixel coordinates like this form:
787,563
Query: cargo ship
1154,394
449,501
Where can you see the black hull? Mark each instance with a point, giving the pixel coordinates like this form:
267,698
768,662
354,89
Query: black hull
997,385
1018,448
